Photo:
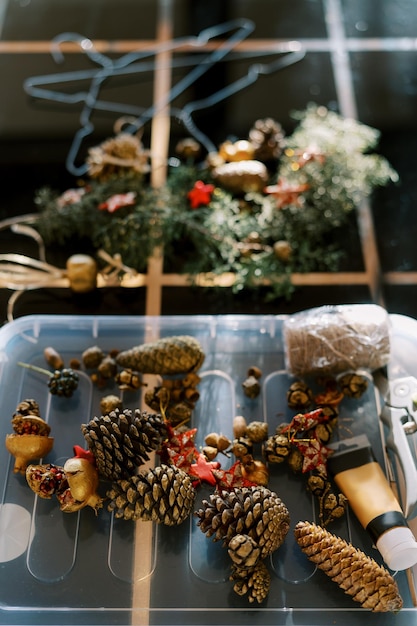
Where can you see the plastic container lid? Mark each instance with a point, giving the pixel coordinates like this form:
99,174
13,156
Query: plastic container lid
398,548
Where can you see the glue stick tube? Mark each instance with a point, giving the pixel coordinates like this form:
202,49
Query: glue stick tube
361,479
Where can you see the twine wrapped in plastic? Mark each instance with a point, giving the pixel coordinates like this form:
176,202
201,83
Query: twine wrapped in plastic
333,339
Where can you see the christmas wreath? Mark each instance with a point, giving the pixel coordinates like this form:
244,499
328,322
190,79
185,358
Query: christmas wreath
260,208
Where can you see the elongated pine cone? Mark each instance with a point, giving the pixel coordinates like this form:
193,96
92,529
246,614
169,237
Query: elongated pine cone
356,573
170,355
121,440
253,511
254,583
164,495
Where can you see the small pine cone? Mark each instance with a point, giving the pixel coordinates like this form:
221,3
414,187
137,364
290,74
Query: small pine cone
121,440
276,448
120,155
253,511
164,495
254,583
299,395
170,355
267,137
27,407
353,385
356,573
244,551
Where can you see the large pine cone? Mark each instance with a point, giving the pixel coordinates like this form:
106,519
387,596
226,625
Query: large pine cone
253,511
164,495
121,440
356,573
170,355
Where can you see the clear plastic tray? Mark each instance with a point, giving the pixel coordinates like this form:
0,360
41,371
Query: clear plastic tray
79,568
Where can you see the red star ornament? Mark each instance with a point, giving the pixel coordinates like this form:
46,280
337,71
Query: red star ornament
304,421
315,455
203,469
200,194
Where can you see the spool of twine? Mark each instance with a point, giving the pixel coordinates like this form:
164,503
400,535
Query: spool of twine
333,339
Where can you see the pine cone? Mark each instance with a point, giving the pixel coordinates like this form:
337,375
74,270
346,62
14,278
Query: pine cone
253,511
27,407
123,154
121,440
267,138
276,448
356,573
244,551
170,355
254,583
164,495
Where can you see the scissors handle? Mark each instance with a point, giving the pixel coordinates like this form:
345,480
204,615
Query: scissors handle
397,440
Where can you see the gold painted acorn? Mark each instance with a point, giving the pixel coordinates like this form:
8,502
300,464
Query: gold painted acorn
29,441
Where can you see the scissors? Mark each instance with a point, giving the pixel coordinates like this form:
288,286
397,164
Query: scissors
399,414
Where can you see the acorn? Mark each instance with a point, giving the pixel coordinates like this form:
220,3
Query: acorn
239,426
53,358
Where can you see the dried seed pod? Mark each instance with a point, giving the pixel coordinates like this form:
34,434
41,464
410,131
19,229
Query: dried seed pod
179,413
110,403
257,431
92,357
251,387
170,355
191,380
53,358
239,426
356,573
107,368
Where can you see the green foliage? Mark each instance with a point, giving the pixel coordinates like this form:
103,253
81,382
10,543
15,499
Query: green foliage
330,157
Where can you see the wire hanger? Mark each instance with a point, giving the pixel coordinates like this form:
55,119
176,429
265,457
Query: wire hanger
46,87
